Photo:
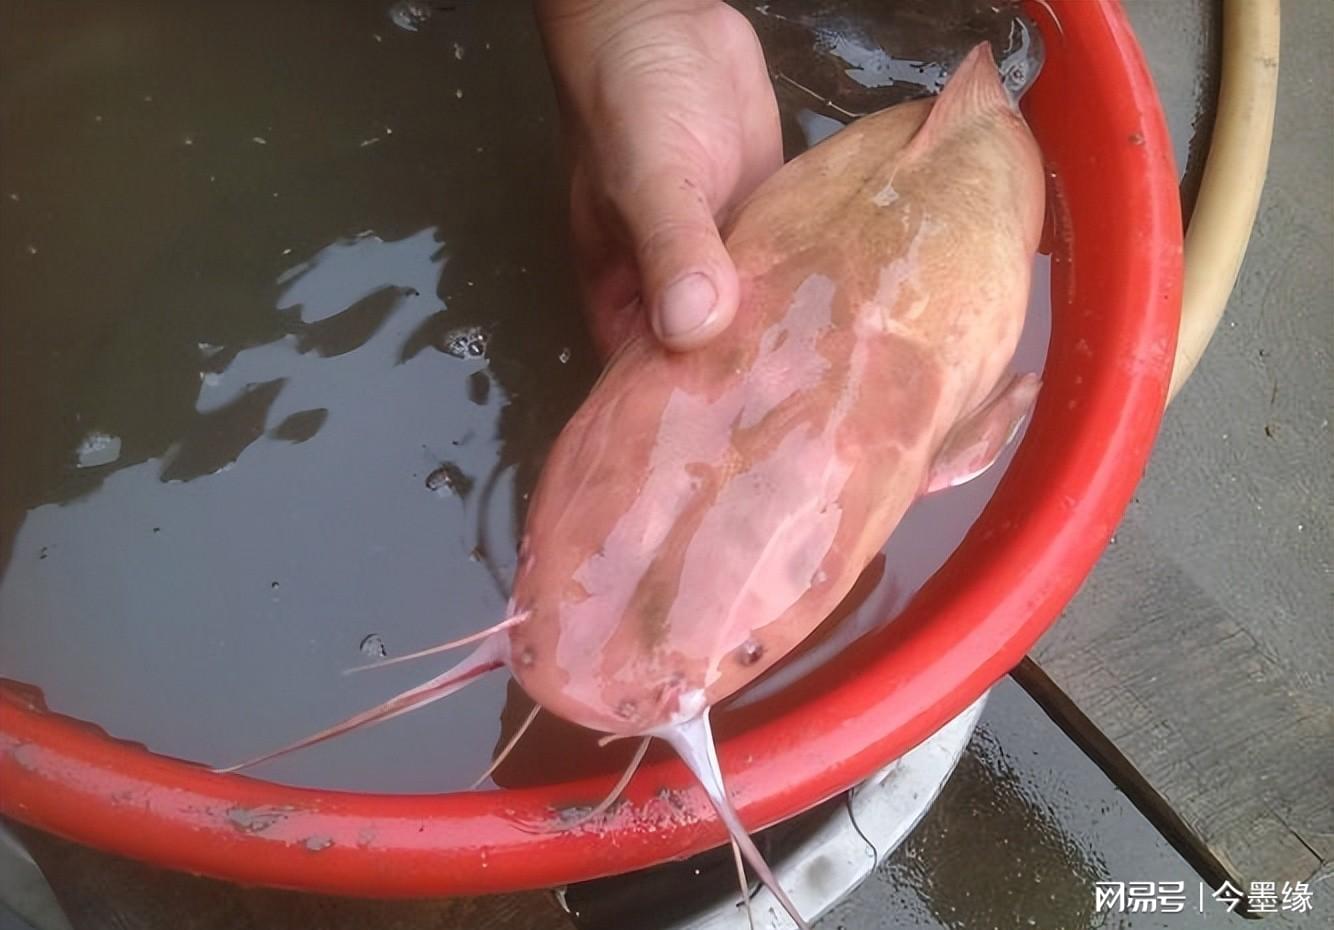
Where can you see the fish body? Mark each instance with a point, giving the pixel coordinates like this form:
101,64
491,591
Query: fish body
703,512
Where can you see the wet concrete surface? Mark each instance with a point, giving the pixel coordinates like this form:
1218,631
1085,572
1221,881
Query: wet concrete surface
1021,836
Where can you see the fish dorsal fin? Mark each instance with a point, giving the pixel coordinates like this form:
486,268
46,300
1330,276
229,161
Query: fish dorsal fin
693,741
975,88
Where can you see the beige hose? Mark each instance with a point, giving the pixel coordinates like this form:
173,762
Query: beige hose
1234,174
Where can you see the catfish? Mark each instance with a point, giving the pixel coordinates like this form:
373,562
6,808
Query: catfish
703,513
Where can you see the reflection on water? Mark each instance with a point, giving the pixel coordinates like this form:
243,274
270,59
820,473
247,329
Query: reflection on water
843,58
265,341
288,327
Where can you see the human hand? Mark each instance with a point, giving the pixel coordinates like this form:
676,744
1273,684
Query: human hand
669,121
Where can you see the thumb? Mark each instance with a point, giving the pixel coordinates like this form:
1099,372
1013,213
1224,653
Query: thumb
687,280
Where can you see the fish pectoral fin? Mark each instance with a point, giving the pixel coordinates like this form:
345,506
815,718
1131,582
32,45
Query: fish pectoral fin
976,441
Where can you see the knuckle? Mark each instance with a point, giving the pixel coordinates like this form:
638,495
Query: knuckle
670,235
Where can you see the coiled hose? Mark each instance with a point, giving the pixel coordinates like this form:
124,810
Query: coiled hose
1234,174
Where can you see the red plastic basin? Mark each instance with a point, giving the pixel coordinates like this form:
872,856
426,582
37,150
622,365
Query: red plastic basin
1115,300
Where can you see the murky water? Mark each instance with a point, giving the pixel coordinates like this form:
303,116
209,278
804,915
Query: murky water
305,271
288,326
845,58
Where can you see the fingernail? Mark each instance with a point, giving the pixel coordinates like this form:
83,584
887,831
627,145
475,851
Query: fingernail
687,304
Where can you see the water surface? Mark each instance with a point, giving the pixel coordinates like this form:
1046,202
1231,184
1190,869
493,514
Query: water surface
288,326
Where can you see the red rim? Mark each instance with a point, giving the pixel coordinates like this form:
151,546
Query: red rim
1114,332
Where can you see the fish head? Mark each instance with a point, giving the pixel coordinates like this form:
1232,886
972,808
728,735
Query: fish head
685,532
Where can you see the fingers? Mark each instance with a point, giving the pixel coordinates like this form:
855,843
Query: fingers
688,282
673,121
607,274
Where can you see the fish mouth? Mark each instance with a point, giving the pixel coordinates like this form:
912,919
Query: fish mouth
674,703
677,705
689,705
